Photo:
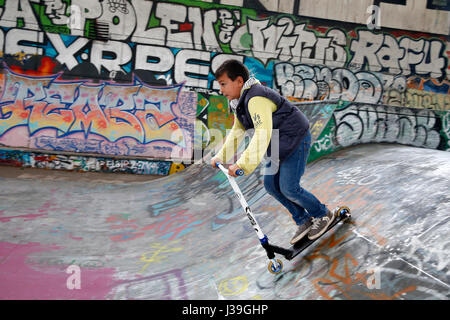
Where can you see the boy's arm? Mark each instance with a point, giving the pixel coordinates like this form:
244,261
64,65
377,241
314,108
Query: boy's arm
261,110
232,142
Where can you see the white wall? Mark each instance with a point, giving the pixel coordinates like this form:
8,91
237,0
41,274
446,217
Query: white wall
414,16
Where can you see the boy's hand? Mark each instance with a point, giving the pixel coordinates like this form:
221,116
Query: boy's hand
232,170
214,162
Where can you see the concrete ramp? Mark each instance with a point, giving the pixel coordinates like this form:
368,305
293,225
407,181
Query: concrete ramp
185,236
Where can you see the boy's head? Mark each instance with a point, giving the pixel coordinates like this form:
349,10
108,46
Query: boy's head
231,75
233,68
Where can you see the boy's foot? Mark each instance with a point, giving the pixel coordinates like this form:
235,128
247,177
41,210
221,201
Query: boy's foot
320,225
301,231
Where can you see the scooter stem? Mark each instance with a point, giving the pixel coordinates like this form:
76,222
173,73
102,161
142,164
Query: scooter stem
244,203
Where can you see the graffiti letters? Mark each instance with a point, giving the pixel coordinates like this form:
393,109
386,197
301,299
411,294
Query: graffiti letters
319,83
109,111
366,123
143,35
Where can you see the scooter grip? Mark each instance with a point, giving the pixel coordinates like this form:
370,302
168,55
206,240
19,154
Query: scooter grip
239,172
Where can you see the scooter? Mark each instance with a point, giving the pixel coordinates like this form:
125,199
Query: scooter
276,265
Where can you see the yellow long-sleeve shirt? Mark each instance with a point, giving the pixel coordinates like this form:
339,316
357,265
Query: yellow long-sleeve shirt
260,109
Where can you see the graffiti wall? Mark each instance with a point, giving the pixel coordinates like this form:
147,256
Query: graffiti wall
135,77
20,158
358,123
183,41
134,119
415,15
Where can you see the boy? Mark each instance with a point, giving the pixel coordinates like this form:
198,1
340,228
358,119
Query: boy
265,110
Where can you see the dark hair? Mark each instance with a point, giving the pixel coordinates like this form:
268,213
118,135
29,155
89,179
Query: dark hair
233,68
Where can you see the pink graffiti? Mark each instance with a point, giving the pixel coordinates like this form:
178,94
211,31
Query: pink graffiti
26,217
128,230
23,281
43,210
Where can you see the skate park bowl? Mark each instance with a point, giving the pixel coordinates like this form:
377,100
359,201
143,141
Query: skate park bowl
185,236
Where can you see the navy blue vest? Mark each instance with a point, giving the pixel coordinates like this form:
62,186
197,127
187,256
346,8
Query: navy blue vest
288,119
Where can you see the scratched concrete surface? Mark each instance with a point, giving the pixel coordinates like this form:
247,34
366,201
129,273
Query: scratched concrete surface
185,236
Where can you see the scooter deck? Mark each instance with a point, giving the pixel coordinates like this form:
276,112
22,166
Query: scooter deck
305,242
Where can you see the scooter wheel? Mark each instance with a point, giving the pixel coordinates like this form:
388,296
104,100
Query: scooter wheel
344,212
275,269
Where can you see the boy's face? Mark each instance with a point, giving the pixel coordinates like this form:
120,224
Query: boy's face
230,88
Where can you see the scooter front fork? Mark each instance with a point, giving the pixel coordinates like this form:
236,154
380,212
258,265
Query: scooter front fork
275,265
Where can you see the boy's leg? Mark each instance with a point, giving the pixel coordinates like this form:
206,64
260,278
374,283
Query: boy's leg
291,171
272,185
300,216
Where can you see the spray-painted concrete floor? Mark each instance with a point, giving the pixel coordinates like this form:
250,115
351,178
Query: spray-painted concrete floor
186,237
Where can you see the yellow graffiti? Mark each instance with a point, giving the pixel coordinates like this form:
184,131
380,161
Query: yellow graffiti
176,167
154,254
233,286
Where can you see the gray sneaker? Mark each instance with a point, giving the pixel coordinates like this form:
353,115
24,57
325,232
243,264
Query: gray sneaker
320,225
302,231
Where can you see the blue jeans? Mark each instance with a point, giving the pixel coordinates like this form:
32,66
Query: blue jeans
285,185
